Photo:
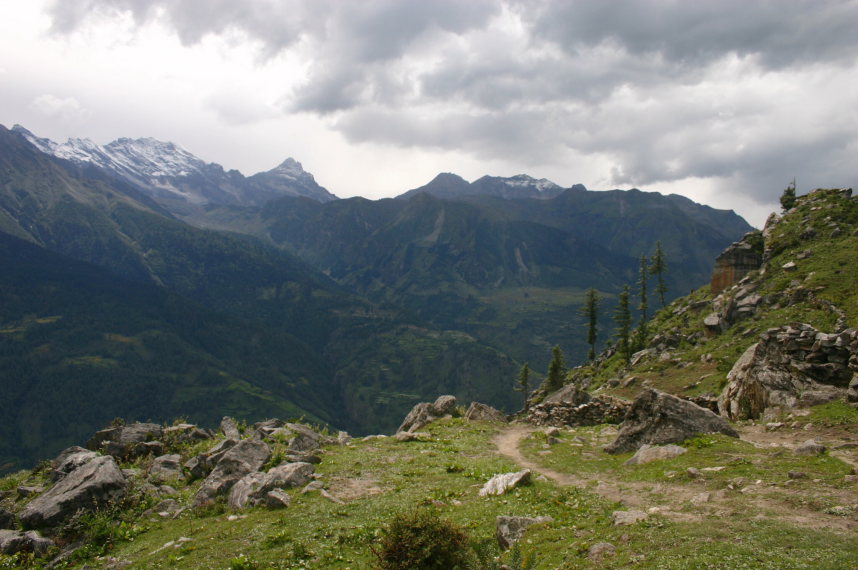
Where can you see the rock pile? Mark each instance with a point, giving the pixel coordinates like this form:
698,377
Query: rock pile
425,413
790,366
599,410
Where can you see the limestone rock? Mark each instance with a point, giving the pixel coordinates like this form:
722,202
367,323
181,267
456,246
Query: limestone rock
511,529
623,518
241,494
787,362
810,448
737,261
229,427
501,483
253,488
13,541
648,453
245,457
166,467
186,433
569,394
601,550
88,487
127,441
425,413
277,499
482,412
659,418
70,459
7,519
201,465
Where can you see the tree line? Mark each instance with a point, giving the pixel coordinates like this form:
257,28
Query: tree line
628,341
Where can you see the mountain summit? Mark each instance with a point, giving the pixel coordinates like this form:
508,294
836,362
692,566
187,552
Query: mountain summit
452,186
178,179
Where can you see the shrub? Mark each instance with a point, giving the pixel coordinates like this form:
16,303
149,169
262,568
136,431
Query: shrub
422,541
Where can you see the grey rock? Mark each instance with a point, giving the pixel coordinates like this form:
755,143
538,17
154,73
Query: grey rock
810,448
623,518
658,418
70,459
823,395
201,465
852,391
503,482
797,475
247,456
482,412
241,494
123,442
13,541
166,467
25,491
229,427
510,530
714,324
405,436
601,550
252,489
648,453
569,394
88,487
424,413
7,519
186,433
277,499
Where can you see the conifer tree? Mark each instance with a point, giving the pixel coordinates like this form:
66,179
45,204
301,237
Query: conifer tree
658,267
623,319
523,383
556,371
590,311
788,197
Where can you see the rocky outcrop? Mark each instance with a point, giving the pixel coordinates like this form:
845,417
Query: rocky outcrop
253,488
658,418
70,459
247,456
13,542
90,486
596,411
425,413
482,412
737,261
166,467
790,366
500,484
128,441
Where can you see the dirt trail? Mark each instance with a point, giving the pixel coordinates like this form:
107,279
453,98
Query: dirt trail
645,495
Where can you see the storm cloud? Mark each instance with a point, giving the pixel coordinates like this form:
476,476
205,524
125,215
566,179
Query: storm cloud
746,93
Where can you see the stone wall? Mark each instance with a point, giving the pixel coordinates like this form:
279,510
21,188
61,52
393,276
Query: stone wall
599,410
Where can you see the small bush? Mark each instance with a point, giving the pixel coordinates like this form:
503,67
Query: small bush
422,541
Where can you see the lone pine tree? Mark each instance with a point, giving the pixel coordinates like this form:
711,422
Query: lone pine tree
590,311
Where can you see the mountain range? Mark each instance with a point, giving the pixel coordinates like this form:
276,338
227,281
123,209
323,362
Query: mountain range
140,281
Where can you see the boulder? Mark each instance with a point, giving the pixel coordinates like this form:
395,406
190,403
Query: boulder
810,448
424,413
166,467
7,519
482,412
569,394
70,459
649,453
658,418
786,363
511,529
126,441
253,488
13,541
852,391
277,499
90,486
245,457
186,433
601,550
201,465
501,483
230,428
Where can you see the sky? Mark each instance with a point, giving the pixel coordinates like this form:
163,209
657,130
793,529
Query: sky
724,101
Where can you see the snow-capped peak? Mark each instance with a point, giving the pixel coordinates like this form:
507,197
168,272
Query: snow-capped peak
542,184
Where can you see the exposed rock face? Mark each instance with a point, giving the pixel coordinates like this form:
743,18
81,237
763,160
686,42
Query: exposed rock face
94,484
511,529
425,413
252,489
245,457
186,433
598,410
201,465
70,459
569,394
500,484
788,362
657,418
736,261
300,438
230,428
126,441
166,467
12,542
482,412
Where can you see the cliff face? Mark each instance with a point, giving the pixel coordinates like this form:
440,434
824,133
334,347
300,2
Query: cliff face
736,261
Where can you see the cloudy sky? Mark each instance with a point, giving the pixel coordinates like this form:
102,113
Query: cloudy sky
723,101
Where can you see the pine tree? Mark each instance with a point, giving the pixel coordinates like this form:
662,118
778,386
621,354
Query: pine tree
658,267
523,383
590,311
623,319
788,197
556,371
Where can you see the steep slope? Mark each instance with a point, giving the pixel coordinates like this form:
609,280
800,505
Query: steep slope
79,346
